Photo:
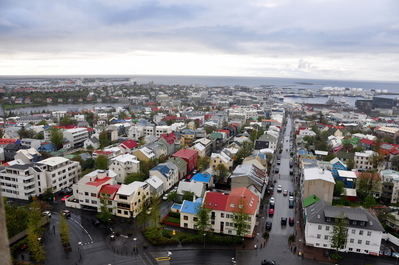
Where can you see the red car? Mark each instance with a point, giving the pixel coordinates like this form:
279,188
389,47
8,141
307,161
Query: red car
291,221
271,211
65,197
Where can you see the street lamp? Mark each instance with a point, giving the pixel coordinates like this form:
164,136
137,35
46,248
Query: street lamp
135,244
204,240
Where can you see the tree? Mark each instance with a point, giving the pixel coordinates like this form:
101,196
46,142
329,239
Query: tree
138,176
329,157
36,250
245,151
350,164
395,162
240,218
56,138
103,139
188,196
172,196
221,172
143,217
339,234
155,215
66,120
64,232
253,135
203,162
203,221
367,184
339,188
105,213
101,162
369,201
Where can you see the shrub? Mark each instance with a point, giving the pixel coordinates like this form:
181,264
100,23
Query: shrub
266,235
291,238
174,214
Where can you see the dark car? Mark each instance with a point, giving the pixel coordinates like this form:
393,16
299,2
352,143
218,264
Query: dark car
291,193
268,225
268,262
284,220
95,221
291,204
271,205
291,221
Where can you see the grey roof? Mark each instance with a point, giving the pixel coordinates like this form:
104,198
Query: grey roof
319,211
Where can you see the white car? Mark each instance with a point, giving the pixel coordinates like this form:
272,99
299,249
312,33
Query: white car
291,198
48,213
279,188
272,200
165,197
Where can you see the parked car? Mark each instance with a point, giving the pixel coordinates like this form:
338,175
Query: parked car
149,211
291,194
291,198
291,204
95,221
279,188
271,211
268,262
285,192
283,220
48,213
278,162
271,205
65,197
272,200
291,221
165,197
268,225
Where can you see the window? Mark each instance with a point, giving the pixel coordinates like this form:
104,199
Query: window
195,219
317,244
353,231
367,243
350,249
86,193
351,241
368,233
325,237
185,225
319,227
222,215
361,232
359,242
185,217
327,228
318,236
358,250
325,245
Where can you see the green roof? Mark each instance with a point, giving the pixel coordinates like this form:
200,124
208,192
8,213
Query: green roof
70,156
310,200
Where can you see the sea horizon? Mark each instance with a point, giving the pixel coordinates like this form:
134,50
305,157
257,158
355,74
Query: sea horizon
293,82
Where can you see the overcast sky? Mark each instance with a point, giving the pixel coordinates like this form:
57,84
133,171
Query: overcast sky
334,39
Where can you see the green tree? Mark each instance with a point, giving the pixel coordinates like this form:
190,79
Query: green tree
36,249
105,213
203,221
220,172
56,138
143,217
240,218
43,122
188,196
350,164
203,162
245,151
64,232
155,214
103,139
339,188
101,162
329,157
369,201
66,120
367,184
339,234
253,136
139,176
172,196
395,162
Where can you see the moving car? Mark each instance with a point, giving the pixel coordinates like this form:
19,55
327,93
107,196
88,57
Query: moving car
291,221
48,213
271,211
278,162
291,204
291,198
283,220
279,188
66,213
291,194
285,192
272,200
268,262
268,225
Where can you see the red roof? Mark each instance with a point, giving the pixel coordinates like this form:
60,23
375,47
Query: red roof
394,151
129,144
215,200
367,141
98,182
110,190
185,153
99,152
7,141
169,137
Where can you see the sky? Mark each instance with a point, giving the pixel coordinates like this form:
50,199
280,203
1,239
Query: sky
322,39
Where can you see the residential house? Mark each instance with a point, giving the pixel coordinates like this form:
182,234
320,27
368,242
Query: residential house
131,198
364,229
11,135
196,187
336,165
390,132
317,181
221,158
92,141
128,146
156,186
76,136
47,147
144,154
10,151
266,141
124,165
188,213
390,186
363,161
167,172
31,143
225,206
181,165
246,175
206,179
28,155
187,137
349,178
190,156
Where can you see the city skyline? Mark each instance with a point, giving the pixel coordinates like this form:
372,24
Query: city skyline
285,38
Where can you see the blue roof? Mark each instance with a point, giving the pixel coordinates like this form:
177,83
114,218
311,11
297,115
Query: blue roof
201,177
191,207
163,169
302,152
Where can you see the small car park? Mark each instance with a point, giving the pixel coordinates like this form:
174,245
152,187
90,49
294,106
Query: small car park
268,226
278,162
283,220
291,221
271,206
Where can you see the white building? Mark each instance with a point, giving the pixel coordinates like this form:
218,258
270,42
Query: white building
364,230
130,199
77,136
319,182
363,160
124,165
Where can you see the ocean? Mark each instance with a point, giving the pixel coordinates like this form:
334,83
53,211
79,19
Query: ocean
299,83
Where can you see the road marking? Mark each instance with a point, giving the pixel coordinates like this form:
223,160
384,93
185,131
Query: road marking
91,239
162,258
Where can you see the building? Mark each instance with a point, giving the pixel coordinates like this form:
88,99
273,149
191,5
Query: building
131,198
190,156
124,165
364,230
363,160
319,182
167,173
221,158
144,154
76,136
266,141
246,175
390,132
